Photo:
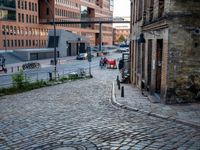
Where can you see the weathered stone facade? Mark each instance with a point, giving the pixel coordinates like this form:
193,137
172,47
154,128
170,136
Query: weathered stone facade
167,63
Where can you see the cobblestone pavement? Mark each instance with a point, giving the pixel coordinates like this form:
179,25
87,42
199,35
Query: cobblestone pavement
133,99
78,115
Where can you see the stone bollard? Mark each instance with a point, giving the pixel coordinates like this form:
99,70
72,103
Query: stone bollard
122,91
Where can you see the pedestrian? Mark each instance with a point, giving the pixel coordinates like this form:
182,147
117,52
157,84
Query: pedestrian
101,63
104,61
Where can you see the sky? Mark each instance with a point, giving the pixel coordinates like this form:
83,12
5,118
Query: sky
121,8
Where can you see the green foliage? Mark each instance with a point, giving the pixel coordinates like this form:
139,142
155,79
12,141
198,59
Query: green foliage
22,84
19,80
121,38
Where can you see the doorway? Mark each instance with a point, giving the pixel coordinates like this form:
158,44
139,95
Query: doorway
159,65
69,52
149,64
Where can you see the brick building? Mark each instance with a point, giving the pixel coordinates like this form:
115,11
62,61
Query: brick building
119,31
165,49
20,21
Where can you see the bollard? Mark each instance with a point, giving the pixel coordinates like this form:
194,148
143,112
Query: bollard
122,91
11,69
17,68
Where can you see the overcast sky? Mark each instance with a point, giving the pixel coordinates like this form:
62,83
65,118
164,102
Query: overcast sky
122,8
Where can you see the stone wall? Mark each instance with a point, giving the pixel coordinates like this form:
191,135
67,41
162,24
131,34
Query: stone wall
184,52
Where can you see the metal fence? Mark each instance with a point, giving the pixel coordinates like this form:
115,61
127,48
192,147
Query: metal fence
37,75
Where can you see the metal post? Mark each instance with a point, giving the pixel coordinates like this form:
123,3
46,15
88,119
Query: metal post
100,37
55,52
122,92
5,39
90,69
54,28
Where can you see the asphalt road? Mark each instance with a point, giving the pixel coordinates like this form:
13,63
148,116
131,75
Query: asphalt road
65,67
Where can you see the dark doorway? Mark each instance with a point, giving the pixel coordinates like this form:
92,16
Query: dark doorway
69,51
82,48
143,61
97,39
159,65
149,64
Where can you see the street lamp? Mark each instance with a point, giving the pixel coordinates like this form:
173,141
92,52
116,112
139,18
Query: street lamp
54,41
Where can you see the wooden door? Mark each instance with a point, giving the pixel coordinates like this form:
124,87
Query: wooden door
159,65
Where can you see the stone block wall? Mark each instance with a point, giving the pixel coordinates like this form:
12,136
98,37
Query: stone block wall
184,52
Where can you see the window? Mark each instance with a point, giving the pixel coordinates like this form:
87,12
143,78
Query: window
26,31
26,43
18,4
15,43
19,17
4,43
30,43
32,6
30,19
23,18
26,18
7,30
35,7
15,30
36,20
151,10
22,4
12,43
11,30
18,31
25,5
161,8
22,31
33,19
3,30
29,5
18,43
22,42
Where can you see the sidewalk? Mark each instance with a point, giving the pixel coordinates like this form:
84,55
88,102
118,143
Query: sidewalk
134,100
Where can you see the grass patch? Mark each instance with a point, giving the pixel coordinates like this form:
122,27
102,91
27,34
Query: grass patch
22,84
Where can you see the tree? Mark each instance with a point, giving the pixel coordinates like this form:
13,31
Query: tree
121,38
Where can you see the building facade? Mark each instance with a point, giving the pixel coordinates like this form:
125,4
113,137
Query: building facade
21,27
120,31
165,49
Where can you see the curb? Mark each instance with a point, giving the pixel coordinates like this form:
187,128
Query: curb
169,118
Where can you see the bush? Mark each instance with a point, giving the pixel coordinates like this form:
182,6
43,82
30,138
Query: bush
19,80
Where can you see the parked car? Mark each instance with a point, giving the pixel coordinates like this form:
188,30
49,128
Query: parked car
81,56
123,48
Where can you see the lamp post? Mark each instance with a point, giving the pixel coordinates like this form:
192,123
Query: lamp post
54,41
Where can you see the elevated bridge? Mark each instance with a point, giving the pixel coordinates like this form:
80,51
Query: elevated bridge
97,20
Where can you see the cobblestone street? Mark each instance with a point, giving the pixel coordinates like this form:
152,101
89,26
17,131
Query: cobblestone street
79,115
